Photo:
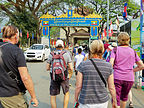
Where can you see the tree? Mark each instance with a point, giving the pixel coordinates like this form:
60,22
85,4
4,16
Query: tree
116,7
54,32
25,13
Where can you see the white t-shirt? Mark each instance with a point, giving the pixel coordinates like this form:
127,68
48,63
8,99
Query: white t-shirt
78,59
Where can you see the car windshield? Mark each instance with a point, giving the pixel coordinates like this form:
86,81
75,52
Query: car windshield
36,47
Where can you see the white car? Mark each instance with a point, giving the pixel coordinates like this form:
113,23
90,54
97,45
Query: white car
37,52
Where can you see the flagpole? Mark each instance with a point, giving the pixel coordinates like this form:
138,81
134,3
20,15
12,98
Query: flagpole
29,42
20,42
107,19
124,25
141,27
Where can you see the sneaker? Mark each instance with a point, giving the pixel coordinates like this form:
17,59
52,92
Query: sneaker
131,105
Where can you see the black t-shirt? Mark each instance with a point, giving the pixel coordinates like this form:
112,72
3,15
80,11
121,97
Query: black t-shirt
13,58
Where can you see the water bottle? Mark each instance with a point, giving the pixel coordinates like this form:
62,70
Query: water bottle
32,103
76,105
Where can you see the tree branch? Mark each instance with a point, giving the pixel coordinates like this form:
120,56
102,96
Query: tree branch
50,4
6,10
64,29
68,31
15,4
33,5
25,1
75,29
29,6
38,6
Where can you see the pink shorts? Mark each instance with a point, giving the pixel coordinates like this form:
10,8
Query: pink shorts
122,89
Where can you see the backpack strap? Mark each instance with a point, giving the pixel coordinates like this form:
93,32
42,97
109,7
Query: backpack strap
61,55
52,53
2,63
96,68
62,52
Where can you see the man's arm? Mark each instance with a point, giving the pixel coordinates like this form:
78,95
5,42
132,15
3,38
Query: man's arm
48,67
74,65
70,69
26,78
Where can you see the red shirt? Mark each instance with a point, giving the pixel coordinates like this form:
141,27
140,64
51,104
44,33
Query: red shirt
106,46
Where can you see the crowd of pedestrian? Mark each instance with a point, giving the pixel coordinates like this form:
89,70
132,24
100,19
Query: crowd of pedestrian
99,69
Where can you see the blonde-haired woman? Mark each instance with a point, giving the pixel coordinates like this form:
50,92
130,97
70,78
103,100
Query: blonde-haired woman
122,60
89,85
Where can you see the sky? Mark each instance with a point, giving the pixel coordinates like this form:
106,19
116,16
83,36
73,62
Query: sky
137,1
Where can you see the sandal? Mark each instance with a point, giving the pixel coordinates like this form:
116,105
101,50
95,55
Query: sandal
131,105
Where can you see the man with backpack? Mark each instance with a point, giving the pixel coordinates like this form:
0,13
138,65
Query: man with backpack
58,63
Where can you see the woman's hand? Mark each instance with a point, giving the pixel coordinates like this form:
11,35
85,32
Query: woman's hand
75,102
114,105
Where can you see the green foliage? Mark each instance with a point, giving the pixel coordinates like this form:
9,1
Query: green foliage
25,14
26,22
54,32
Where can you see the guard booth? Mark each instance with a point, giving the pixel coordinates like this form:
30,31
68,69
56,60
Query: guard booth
70,19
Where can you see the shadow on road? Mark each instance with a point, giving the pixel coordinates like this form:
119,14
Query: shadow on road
141,105
34,61
43,105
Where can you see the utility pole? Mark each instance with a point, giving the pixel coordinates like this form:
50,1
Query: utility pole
141,28
107,19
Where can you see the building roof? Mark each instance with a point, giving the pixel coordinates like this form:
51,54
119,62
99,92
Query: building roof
81,32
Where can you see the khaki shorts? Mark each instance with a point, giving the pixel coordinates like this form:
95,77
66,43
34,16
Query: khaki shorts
18,101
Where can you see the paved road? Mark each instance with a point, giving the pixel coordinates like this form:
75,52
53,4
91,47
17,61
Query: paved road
42,80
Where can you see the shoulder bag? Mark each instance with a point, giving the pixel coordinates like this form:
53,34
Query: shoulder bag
102,78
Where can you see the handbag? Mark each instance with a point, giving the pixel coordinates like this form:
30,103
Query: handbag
102,78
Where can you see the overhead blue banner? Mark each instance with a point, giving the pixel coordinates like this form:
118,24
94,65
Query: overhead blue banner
70,22
71,19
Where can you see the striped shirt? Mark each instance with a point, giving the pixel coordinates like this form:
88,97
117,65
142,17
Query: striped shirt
93,88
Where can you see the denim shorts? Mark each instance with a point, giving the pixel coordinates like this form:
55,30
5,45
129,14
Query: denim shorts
122,89
55,87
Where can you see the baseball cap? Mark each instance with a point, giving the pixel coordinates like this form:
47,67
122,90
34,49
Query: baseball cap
110,47
59,42
81,47
114,44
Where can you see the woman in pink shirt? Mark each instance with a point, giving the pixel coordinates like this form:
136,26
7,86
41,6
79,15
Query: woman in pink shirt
122,59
